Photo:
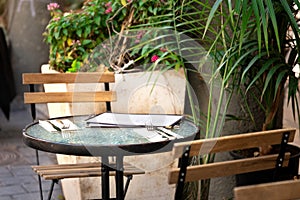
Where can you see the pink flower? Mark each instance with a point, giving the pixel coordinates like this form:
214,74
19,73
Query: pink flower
108,10
56,19
52,6
76,42
163,49
154,58
108,4
140,35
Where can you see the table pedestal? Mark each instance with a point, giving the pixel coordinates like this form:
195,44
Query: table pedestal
118,177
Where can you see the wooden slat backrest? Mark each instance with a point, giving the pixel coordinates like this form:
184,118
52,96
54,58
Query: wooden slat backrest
233,142
230,143
280,190
68,97
86,77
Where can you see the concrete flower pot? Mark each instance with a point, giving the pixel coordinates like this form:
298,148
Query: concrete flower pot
136,93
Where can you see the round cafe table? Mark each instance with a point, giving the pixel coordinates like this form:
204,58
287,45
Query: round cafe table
103,142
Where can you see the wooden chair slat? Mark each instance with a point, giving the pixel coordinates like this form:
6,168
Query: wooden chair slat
50,172
86,170
281,190
86,77
71,175
233,142
77,165
60,166
82,174
227,168
69,97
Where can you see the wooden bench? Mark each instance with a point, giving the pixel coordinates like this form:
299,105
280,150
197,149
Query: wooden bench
184,173
58,172
281,190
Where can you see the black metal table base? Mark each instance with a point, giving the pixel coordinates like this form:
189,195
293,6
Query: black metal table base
120,194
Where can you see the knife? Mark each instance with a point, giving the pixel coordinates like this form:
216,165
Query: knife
164,134
169,132
54,126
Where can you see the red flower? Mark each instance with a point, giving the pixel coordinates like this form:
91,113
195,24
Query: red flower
154,58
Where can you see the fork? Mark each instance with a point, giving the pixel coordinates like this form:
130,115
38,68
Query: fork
150,127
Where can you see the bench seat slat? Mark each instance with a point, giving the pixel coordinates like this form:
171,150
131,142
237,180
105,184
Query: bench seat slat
71,175
51,172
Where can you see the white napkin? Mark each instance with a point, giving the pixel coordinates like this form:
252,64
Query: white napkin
152,136
51,125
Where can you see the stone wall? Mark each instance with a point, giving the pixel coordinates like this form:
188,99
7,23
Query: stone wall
26,21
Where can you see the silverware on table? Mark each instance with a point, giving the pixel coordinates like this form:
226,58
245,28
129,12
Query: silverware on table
163,132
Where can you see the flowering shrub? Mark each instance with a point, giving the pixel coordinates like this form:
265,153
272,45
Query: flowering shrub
72,36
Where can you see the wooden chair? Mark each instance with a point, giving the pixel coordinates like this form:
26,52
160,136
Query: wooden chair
184,173
281,190
58,172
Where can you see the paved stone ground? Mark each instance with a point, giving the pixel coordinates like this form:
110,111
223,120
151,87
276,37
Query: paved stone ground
17,180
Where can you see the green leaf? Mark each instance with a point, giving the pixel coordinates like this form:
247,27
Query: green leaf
97,20
86,42
280,80
257,19
79,32
56,35
262,70
87,31
65,31
246,14
264,22
145,49
211,14
270,75
274,21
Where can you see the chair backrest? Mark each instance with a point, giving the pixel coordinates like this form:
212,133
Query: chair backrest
185,150
280,190
32,97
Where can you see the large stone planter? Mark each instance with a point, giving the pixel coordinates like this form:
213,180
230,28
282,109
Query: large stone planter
136,93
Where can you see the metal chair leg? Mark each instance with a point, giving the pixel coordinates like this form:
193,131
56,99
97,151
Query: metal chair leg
51,188
39,177
129,178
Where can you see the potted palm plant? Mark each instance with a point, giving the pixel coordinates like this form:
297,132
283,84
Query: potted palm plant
267,56
256,47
